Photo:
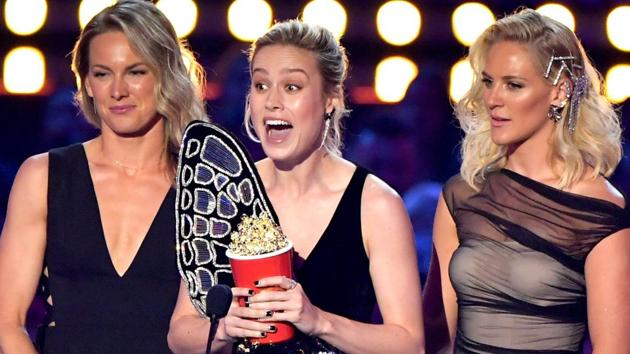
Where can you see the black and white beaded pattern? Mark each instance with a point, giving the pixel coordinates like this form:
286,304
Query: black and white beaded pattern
217,183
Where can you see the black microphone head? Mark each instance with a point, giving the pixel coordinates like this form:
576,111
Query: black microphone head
218,300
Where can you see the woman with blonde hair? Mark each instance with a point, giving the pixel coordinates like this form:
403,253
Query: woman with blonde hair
98,216
531,241
352,237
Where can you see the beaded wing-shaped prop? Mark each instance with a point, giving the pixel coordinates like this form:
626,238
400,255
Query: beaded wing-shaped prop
217,183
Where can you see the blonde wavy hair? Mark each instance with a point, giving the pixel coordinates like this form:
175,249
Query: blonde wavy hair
332,62
596,141
179,91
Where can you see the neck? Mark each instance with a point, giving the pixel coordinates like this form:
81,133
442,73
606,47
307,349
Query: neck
132,155
300,178
533,158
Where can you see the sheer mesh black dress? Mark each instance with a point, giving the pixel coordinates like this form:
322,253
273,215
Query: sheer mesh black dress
519,269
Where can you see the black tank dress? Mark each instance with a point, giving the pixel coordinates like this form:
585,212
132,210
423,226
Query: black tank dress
519,269
94,309
335,276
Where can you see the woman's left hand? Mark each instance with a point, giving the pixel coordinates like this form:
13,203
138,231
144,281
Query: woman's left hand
290,305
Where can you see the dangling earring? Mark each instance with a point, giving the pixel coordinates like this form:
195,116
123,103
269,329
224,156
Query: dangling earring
555,112
327,118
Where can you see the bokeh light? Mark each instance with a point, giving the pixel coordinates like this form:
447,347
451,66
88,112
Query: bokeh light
25,17
24,70
249,19
392,78
470,20
327,13
398,22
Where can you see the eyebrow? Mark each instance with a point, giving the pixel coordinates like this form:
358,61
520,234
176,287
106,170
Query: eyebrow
283,71
506,77
128,67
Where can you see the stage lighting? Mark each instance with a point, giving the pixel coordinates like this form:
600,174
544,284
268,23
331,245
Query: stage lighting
460,80
470,20
327,13
249,19
559,13
183,15
617,78
24,70
392,78
618,27
25,17
398,22
89,9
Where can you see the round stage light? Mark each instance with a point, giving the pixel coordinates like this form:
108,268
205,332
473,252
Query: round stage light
617,78
392,78
183,15
470,20
398,22
89,9
618,28
249,19
327,13
460,80
24,70
559,13
25,17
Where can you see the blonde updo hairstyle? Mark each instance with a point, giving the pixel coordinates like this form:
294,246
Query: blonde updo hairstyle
331,61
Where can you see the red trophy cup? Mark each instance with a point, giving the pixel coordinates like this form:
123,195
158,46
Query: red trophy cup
248,269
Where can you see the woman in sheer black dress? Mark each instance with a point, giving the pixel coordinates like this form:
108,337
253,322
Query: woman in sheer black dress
531,241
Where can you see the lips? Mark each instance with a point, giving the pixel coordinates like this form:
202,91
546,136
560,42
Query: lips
121,109
498,121
278,130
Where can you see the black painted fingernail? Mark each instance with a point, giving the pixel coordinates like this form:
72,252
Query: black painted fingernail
269,313
250,292
273,329
263,334
256,282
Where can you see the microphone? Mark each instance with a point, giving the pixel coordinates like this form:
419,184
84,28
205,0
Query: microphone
218,302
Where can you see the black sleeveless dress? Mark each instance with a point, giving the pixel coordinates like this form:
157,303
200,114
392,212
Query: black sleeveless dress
94,309
335,276
519,269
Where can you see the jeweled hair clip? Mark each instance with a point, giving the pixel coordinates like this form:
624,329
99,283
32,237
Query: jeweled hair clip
578,87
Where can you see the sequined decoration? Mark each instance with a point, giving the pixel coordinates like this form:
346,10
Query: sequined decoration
579,84
580,87
217,184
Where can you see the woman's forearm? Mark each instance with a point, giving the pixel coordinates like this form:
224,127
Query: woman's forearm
189,334
356,337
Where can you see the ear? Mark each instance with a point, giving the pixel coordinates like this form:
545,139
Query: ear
332,102
561,92
88,87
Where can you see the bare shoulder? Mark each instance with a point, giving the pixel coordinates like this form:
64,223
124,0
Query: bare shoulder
379,198
34,169
599,188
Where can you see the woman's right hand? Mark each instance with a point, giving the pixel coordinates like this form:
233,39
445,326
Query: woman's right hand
240,322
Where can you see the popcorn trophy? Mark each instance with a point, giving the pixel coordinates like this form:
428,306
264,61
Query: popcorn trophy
227,231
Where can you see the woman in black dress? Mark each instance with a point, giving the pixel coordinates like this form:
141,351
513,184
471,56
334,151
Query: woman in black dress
532,243
352,236
98,216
